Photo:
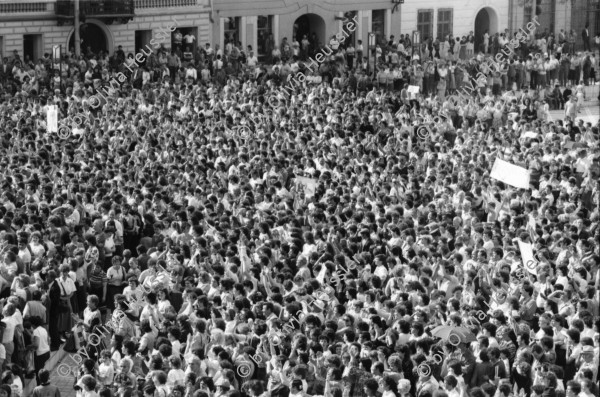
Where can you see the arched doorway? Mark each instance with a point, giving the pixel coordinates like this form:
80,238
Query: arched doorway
486,19
311,25
92,36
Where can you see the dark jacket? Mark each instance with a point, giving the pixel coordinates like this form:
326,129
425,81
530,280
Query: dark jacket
483,373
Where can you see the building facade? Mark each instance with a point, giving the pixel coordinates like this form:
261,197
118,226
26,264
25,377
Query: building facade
33,27
252,22
557,15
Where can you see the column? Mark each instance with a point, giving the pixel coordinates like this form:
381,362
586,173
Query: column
388,23
221,33
359,29
252,33
243,27
276,29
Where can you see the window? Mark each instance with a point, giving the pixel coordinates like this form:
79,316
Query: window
444,23
425,24
378,24
231,30
264,29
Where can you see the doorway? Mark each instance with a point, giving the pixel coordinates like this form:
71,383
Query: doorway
32,47
486,19
313,26
92,39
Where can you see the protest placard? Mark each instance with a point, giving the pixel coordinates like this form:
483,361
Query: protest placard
510,174
527,256
309,184
413,91
529,134
52,118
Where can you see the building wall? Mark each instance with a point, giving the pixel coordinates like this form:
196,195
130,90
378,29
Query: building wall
464,14
402,21
562,18
582,12
286,13
570,15
45,24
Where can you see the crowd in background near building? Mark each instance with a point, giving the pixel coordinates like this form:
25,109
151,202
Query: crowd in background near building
331,251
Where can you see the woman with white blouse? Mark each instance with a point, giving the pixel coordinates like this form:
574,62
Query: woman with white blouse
37,248
164,305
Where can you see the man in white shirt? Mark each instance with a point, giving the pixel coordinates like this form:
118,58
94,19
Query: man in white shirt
189,39
40,340
252,60
209,51
191,72
8,336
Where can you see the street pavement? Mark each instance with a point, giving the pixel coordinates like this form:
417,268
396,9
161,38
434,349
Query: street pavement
591,107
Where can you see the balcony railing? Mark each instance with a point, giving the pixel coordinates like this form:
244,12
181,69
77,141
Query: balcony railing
97,8
12,8
167,3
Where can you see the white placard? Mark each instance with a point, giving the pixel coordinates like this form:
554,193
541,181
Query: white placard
52,119
309,184
529,134
413,91
527,255
510,174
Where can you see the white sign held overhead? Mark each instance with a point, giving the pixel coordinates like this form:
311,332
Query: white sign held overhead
413,91
309,185
52,119
510,174
529,261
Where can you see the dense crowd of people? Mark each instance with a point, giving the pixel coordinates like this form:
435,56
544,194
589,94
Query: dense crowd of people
332,249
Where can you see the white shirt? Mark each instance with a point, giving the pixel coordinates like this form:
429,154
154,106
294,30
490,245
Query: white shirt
175,377
9,331
252,61
43,346
66,286
17,387
191,72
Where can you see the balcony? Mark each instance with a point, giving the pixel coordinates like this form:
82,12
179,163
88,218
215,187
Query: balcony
108,11
167,3
12,8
